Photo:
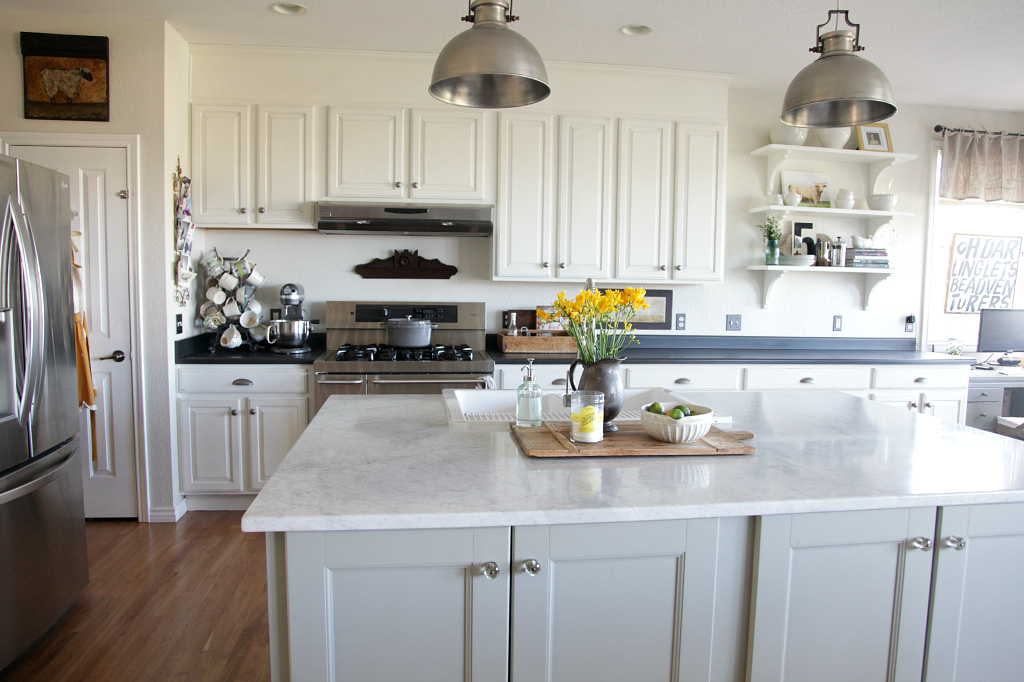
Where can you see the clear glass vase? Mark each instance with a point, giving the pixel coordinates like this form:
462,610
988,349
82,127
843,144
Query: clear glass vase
771,252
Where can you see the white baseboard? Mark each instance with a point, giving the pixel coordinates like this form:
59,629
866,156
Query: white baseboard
219,502
167,514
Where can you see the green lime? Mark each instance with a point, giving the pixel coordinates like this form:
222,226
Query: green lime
676,413
656,408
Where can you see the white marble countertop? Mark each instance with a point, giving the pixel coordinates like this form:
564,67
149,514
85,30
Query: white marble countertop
379,462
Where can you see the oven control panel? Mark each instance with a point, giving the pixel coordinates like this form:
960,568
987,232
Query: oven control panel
385,311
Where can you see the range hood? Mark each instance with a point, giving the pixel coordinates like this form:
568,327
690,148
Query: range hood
405,219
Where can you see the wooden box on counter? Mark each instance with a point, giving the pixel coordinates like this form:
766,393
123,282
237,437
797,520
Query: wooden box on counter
552,342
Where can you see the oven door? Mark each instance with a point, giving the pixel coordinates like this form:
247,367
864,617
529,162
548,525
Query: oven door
326,384
405,384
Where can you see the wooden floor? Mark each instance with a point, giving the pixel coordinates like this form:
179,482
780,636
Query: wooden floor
184,601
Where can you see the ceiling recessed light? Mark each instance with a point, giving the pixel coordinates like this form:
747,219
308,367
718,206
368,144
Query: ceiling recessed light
289,8
636,29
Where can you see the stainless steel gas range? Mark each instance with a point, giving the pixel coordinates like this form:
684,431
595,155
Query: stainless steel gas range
359,361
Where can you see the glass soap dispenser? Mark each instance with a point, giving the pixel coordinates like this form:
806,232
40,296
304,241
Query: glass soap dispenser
528,399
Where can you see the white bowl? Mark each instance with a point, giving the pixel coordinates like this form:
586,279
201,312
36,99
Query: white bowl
881,202
833,138
787,134
684,430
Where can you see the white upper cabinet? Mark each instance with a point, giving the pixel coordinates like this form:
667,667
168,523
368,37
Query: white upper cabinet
221,171
407,154
222,166
698,234
367,152
585,189
645,202
524,242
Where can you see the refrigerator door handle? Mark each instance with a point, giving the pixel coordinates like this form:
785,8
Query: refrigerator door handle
40,480
7,245
35,310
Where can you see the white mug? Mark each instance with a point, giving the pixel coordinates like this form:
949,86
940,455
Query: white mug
254,306
249,319
231,308
258,333
231,338
255,279
228,281
217,295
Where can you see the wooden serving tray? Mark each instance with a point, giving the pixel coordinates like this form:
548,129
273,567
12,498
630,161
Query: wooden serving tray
557,342
551,439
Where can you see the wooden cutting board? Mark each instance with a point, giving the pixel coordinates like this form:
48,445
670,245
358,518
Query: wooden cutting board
551,439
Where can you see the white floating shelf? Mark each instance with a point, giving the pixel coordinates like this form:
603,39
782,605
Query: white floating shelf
872,277
877,161
840,212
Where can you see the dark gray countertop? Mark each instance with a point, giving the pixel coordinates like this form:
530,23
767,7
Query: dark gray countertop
196,351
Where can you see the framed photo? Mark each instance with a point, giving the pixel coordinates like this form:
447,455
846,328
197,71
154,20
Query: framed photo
65,77
803,242
813,188
874,138
659,315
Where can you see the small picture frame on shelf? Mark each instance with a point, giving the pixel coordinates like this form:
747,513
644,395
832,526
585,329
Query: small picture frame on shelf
874,138
803,243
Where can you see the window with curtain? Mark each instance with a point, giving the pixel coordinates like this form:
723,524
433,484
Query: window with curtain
985,166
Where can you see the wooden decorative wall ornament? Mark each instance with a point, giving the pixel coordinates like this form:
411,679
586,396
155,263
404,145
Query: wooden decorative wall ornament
405,265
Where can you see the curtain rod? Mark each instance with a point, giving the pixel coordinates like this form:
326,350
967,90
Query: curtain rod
944,130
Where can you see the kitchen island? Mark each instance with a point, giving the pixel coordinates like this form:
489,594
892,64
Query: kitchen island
402,548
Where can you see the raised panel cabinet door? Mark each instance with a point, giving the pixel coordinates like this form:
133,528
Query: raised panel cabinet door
950,406
446,155
699,230
284,172
644,229
274,426
524,233
210,445
222,180
399,605
977,610
608,602
585,197
905,401
841,596
366,152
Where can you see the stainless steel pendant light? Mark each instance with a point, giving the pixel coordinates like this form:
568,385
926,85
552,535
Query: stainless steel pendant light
839,88
489,66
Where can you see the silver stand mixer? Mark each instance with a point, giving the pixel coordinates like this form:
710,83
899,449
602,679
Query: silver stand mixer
290,333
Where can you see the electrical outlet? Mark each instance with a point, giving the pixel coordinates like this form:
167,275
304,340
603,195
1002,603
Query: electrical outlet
732,323
909,326
179,324
680,321
275,313
837,323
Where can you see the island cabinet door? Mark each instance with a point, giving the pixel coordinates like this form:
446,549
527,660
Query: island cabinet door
841,596
977,610
609,602
399,605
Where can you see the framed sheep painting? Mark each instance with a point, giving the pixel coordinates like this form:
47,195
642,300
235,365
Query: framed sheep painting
66,77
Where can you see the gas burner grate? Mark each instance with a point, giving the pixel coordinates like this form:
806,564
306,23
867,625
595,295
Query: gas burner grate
378,351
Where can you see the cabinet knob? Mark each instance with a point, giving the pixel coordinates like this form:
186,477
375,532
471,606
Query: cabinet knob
922,543
234,413
983,414
546,264
531,567
252,411
684,380
955,542
415,185
921,380
662,267
913,406
679,267
807,380
562,266
928,405
242,210
398,185
262,209
984,394
490,570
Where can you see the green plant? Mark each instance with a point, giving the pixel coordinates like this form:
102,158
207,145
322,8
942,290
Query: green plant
771,228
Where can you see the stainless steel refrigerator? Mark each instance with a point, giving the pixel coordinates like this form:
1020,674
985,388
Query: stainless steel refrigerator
43,566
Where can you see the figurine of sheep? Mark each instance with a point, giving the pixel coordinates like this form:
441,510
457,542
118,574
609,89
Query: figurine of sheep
63,80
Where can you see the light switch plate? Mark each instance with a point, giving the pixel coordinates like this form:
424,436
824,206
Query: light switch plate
837,323
733,323
179,324
680,321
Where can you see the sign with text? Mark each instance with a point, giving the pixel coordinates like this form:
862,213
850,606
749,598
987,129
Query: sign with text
982,272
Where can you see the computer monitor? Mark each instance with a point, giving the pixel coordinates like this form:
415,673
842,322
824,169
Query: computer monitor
1001,330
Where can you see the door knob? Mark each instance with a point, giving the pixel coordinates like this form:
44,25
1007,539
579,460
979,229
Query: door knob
921,543
531,567
116,356
490,570
954,542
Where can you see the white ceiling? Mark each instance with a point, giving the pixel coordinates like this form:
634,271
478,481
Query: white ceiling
962,53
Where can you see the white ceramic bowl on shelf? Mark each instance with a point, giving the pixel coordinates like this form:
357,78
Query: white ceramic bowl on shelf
881,202
684,430
787,134
833,138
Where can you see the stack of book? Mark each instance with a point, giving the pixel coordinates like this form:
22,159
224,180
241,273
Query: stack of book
867,258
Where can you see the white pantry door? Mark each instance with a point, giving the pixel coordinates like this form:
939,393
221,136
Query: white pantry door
100,214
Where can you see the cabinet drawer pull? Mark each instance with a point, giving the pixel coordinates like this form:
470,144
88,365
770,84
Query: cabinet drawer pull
242,382
531,567
807,380
558,382
684,380
922,543
490,570
955,542
321,380
921,380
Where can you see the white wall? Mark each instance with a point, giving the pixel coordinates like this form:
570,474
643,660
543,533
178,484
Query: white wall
803,303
